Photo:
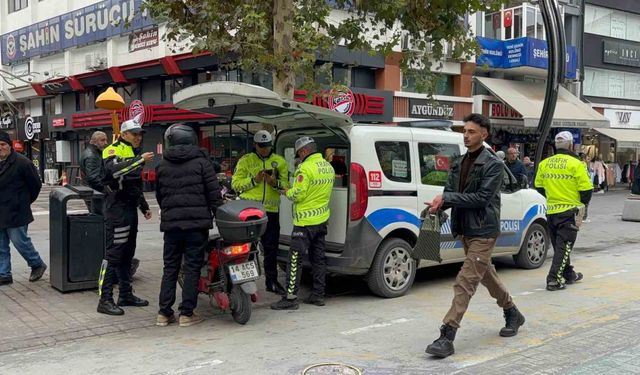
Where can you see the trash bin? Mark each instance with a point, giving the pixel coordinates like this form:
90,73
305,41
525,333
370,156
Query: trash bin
77,242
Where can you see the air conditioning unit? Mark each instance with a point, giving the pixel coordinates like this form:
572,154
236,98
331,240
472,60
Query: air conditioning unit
94,61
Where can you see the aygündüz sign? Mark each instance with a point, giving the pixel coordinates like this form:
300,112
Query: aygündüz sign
87,25
422,108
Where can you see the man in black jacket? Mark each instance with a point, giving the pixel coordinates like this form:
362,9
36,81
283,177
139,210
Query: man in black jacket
188,193
19,188
91,166
473,194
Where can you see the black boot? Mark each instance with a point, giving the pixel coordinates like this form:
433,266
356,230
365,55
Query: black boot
107,306
443,346
514,319
274,286
314,300
285,304
132,300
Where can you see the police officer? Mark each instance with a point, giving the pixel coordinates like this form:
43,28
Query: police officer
310,193
258,177
564,181
123,185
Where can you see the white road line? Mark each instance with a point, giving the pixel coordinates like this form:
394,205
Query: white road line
374,326
609,274
195,367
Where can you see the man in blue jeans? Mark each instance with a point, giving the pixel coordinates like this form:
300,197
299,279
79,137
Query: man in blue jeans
19,188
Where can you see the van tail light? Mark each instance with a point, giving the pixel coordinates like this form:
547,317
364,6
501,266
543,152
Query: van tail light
359,192
235,250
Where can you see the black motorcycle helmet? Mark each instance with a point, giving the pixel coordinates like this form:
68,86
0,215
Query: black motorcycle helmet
180,134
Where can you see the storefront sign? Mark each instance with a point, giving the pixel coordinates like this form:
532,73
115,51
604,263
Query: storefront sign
58,122
522,52
87,25
622,118
137,108
503,111
31,128
365,105
143,39
422,108
6,121
621,53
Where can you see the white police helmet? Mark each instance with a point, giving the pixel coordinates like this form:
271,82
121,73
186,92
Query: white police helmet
303,141
262,137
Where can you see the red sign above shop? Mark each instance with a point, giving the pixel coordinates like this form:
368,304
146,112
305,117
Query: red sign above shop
58,122
152,113
348,103
503,111
137,108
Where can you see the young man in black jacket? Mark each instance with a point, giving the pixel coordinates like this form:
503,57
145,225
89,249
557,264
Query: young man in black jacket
188,193
19,188
473,194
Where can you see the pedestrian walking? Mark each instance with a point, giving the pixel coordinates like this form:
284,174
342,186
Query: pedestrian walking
188,193
564,181
123,185
259,176
516,167
19,188
310,193
473,193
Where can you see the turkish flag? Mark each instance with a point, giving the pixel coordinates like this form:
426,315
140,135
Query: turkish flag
442,163
508,18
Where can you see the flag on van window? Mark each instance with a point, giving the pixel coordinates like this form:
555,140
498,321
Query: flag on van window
442,163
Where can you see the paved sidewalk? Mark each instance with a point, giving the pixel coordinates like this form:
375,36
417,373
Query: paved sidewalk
35,315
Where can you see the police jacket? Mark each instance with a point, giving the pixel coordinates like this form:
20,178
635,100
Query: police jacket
563,179
476,206
245,184
187,189
311,191
123,174
92,168
19,187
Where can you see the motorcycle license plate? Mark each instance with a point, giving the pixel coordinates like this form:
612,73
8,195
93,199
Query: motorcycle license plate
243,272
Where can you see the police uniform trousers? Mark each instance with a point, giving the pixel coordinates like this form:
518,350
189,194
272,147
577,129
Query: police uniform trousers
476,269
270,242
309,240
121,231
563,231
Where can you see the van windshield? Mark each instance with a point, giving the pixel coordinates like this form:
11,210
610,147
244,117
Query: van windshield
332,147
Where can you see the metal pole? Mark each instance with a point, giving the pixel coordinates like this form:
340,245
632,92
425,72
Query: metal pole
554,30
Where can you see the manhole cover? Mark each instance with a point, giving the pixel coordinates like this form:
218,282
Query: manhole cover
332,369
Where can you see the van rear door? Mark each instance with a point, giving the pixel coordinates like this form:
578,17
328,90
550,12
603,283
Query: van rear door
242,102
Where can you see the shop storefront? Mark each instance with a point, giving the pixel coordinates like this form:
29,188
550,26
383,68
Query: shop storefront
33,134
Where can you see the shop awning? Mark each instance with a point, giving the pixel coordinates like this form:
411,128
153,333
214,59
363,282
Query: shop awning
629,138
528,98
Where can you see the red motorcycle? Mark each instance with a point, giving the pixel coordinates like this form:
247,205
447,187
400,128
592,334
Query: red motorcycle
231,259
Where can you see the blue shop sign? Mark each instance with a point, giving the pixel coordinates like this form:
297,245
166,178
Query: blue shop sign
506,54
87,25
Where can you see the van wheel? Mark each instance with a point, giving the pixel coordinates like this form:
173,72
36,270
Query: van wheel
533,251
393,270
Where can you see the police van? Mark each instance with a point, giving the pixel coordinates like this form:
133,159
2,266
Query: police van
384,174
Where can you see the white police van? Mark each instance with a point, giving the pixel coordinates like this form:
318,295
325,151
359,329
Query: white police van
384,174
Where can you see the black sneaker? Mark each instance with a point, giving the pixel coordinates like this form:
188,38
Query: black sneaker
132,300
285,304
554,285
514,319
36,273
314,300
6,280
109,308
576,277
442,347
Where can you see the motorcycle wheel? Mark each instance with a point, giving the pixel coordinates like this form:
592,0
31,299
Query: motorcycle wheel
240,305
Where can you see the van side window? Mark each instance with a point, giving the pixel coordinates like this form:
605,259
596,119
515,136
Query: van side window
394,160
435,161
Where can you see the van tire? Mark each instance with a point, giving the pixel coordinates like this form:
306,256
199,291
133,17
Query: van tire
533,251
392,265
